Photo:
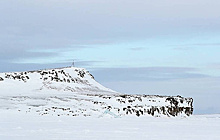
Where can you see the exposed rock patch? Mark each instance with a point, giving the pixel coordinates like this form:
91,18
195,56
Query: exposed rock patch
1,79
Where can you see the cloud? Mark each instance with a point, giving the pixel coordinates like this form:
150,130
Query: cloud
15,52
64,25
186,47
204,44
11,67
14,55
137,48
213,66
15,67
146,74
59,24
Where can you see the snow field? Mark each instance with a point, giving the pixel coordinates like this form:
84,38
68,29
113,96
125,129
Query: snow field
24,126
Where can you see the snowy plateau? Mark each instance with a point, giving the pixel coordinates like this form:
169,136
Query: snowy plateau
68,104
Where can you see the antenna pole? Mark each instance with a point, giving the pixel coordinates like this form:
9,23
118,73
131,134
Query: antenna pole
73,64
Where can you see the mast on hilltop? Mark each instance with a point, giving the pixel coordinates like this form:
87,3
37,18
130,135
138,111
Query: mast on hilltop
73,64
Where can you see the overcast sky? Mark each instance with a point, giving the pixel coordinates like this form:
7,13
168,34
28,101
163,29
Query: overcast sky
161,47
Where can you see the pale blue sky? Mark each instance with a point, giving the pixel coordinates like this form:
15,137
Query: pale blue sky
154,47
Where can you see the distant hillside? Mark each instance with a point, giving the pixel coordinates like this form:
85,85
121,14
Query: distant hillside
73,91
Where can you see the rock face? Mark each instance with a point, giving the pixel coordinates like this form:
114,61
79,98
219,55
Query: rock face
74,92
1,79
143,105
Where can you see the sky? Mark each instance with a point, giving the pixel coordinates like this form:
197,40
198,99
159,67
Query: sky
162,47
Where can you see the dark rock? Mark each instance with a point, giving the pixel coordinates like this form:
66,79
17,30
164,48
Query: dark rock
1,79
172,100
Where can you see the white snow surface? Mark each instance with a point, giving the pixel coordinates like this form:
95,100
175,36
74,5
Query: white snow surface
27,126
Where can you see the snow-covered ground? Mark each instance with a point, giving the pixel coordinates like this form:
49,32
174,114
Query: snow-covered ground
27,126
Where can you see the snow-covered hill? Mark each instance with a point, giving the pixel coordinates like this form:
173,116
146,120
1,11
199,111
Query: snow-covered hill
61,79
73,91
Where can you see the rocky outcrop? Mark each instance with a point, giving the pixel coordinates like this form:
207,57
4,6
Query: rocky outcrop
1,79
17,76
143,105
55,75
